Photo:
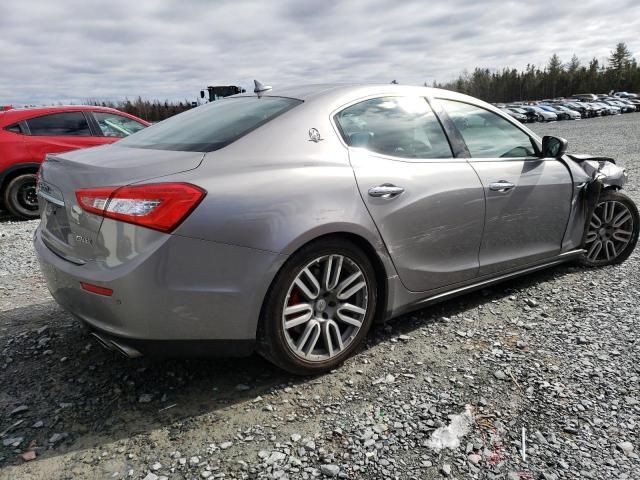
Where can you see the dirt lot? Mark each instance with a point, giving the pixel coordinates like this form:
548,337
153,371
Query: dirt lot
553,358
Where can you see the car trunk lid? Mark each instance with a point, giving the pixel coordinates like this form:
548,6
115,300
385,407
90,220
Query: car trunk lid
66,228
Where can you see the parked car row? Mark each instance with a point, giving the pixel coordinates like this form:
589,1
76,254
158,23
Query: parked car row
28,134
584,105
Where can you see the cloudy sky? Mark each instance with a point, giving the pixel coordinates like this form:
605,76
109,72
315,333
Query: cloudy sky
71,50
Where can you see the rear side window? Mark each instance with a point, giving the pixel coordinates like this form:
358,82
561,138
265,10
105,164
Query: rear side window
66,124
404,127
114,125
211,126
15,128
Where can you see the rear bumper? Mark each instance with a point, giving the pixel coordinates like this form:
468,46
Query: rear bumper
133,348
186,291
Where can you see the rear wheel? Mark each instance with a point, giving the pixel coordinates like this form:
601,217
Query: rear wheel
20,197
612,232
319,308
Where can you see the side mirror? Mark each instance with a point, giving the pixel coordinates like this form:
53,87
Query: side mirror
201,93
554,147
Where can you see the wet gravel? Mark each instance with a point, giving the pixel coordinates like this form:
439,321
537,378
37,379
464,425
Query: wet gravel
534,378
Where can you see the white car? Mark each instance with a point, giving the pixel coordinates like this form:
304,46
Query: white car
543,115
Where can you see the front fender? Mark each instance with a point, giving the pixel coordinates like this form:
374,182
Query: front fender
602,169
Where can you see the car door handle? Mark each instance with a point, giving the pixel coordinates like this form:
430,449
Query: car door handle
501,186
385,191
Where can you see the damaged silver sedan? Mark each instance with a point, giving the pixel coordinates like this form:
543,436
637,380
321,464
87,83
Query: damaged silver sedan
286,222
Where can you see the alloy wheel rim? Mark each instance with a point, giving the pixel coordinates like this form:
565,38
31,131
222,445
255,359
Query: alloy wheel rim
610,231
325,307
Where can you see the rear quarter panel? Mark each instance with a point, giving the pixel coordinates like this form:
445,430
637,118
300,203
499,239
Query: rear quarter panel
275,190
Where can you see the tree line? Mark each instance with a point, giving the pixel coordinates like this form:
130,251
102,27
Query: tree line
621,72
150,110
557,79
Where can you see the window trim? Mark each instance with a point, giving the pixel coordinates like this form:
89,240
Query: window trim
82,112
532,139
341,136
20,124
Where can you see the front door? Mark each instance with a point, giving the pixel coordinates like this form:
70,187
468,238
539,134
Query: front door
427,205
528,198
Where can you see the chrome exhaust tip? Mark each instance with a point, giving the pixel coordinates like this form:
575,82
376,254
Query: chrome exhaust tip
113,345
105,343
126,350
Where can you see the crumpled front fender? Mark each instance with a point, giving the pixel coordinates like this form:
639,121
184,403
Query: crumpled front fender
602,169
604,173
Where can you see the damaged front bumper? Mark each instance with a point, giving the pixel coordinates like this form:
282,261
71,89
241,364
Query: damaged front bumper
602,169
601,173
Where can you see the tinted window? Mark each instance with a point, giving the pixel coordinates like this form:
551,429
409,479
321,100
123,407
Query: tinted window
15,128
487,134
60,124
211,126
397,126
114,125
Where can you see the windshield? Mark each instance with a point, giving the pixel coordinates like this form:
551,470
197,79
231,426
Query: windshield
211,126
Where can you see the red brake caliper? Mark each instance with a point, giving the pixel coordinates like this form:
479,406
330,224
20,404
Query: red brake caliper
294,298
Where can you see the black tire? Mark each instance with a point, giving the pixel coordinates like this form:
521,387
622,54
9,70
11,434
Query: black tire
272,343
20,197
633,226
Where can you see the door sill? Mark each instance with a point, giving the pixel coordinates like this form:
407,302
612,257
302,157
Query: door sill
493,279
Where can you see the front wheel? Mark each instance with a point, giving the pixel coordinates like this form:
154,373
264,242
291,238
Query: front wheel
20,197
319,308
612,232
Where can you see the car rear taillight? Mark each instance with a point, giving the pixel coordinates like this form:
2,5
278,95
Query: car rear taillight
160,206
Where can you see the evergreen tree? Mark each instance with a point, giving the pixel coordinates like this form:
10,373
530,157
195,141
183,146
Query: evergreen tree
556,80
620,57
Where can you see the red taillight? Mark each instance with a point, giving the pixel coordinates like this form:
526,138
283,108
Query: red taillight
89,287
160,206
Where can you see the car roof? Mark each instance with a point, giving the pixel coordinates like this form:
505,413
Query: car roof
23,113
345,91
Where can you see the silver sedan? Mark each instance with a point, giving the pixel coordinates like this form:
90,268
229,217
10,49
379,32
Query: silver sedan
289,220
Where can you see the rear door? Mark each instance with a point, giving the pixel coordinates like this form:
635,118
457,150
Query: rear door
528,198
427,205
60,132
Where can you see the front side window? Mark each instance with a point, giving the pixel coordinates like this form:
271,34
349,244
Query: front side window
114,125
404,127
487,134
64,124
211,126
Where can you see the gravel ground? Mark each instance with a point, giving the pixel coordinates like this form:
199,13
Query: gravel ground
449,391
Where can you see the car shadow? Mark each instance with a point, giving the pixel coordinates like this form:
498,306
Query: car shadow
5,216
74,387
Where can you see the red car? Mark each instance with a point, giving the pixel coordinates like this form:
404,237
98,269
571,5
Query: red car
28,134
